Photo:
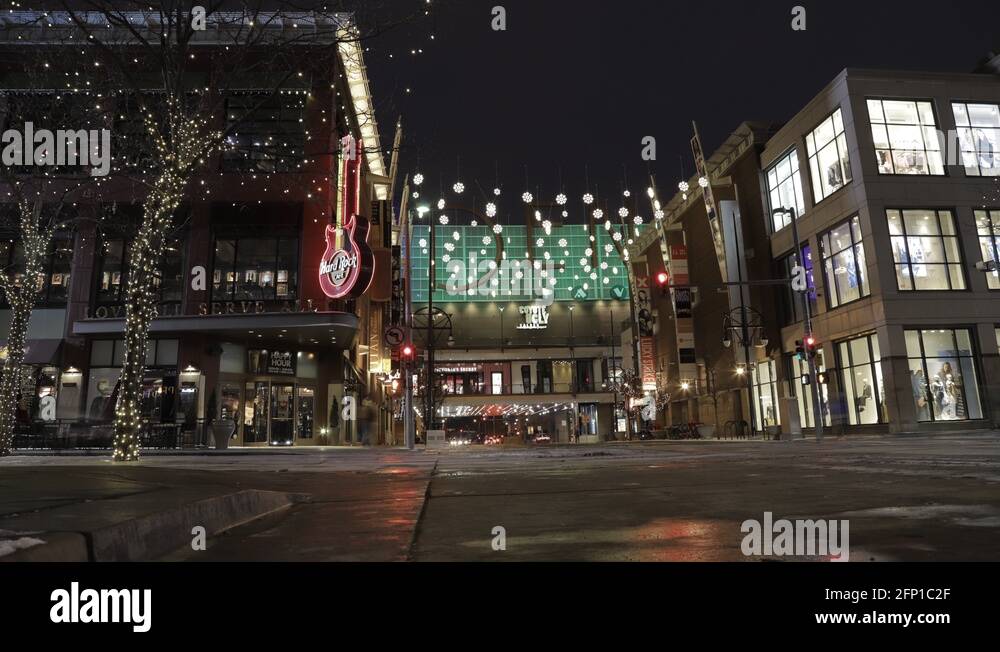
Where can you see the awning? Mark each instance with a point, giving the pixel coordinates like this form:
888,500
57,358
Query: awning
39,352
338,328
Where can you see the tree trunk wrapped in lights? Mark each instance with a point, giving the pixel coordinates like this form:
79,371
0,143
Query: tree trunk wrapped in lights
140,309
21,297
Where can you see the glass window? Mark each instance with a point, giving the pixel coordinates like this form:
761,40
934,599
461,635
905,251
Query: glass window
255,269
829,163
979,137
844,264
270,136
52,282
906,137
925,250
784,189
804,393
795,311
861,375
113,272
765,384
988,227
943,375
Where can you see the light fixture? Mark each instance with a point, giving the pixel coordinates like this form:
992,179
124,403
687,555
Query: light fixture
703,182
418,179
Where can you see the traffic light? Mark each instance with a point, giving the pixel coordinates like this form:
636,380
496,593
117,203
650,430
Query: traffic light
407,353
663,280
800,351
811,346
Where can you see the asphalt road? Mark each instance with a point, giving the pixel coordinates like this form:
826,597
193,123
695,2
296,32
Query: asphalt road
904,498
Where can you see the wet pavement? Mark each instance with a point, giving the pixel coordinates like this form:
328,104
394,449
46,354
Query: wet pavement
905,498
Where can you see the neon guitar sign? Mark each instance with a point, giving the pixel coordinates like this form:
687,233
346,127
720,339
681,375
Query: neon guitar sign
348,264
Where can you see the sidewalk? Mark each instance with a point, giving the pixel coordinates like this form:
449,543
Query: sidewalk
89,508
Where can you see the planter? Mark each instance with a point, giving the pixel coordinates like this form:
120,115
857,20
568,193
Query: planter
222,432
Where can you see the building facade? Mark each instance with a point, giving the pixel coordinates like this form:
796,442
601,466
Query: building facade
892,179
246,331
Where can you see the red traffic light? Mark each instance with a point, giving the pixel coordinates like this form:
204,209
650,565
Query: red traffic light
407,351
810,341
662,278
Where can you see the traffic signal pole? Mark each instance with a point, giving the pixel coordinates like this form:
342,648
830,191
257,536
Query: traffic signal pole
820,408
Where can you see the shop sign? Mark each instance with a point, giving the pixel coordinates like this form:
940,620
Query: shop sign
533,318
348,264
647,362
271,363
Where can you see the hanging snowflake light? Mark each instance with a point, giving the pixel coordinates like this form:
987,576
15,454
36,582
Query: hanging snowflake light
422,244
565,213
588,252
598,214
660,214
416,195
449,246
527,197
637,220
540,242
703,182
683,186
627,193
616,236
418,179
497,229
474,223
562,242
583,262
443,220
622,212
446,258
496,191
440,204
538,216
459,188
608,248
588,199
547,225
561,199
604,264
491,210
456,236
486,239
607,225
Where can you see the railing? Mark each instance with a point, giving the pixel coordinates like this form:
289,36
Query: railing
70,434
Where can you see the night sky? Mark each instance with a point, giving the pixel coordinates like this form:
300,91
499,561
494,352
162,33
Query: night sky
575,83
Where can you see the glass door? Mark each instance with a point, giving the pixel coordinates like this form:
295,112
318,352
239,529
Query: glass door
255,413
282,413
306,403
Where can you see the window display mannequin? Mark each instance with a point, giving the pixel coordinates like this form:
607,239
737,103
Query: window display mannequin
946,392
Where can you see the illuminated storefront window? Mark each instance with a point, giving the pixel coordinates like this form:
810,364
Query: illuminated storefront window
829,164
765,386
784,189
926,250
844,264
979,137
943,375
861,376
905,136
988,227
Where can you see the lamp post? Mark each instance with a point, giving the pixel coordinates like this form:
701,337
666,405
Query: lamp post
501,328
800,260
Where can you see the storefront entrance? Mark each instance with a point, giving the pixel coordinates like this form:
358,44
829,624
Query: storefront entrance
274,412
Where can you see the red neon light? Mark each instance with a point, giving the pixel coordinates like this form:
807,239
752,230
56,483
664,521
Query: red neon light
347,267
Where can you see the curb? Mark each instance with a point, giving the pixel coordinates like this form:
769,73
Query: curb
152,536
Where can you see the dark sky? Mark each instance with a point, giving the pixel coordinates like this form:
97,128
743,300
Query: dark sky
575,82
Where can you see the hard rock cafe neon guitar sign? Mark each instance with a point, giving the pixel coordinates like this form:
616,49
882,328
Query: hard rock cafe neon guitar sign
348,264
